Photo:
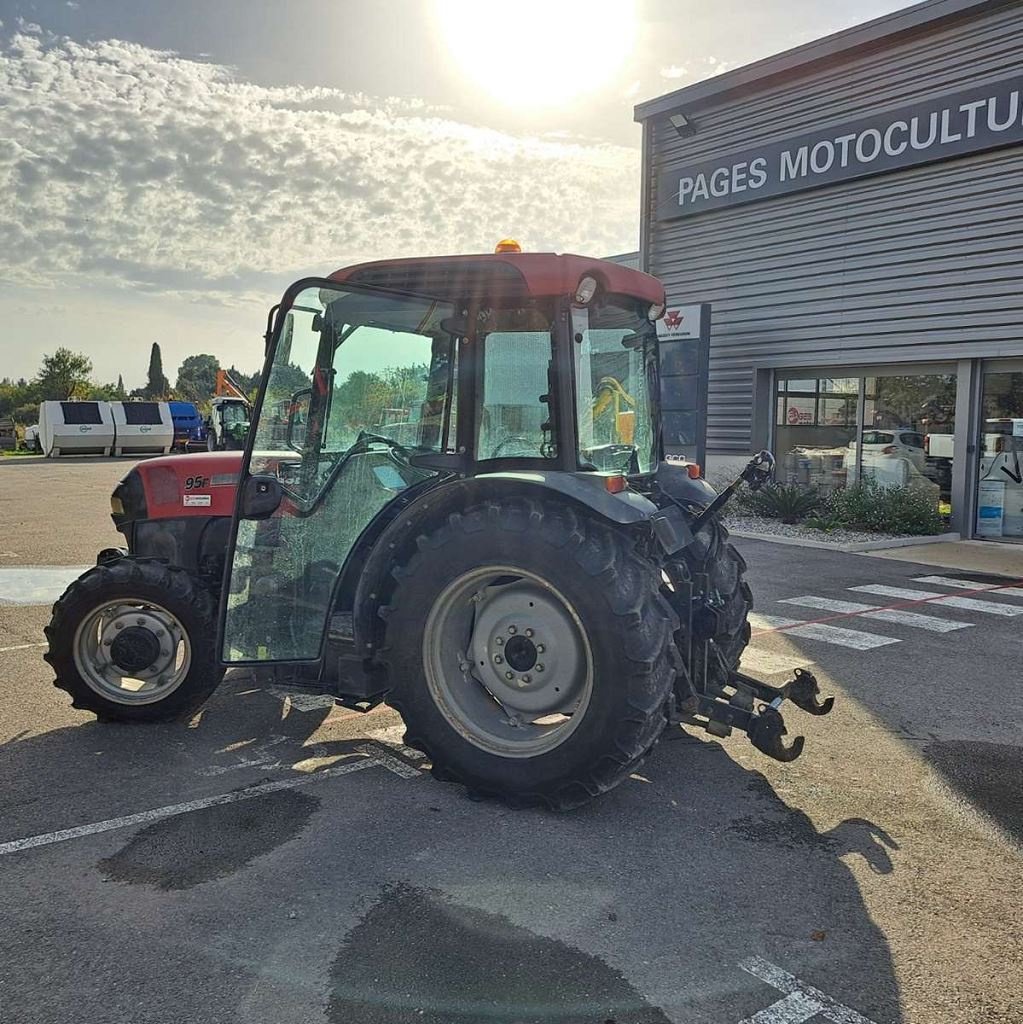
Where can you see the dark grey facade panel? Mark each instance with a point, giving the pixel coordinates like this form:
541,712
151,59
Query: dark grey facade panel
920,68
919,264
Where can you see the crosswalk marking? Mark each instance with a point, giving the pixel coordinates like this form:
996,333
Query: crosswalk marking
948,581
904,618
853,638
763,662
828,604
758,621
970,604
900,592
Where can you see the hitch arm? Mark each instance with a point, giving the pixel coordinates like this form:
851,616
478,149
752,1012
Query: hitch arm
756,474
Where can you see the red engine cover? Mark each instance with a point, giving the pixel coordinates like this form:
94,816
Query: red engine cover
204,484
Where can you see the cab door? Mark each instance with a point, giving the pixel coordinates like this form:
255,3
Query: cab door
357,383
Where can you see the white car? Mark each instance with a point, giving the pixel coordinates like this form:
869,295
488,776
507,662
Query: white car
892,457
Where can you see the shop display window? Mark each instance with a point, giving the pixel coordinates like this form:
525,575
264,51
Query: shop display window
896,430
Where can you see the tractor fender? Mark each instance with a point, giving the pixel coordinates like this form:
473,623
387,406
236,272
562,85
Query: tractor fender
396,542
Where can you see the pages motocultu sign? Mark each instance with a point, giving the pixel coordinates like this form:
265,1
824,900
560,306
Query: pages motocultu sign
968,121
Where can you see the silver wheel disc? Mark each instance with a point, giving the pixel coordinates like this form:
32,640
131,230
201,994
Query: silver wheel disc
507,661
132,651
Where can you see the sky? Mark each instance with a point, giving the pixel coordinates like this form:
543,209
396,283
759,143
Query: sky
167,169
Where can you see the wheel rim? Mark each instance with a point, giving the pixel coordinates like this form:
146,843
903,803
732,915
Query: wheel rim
132,652
507,661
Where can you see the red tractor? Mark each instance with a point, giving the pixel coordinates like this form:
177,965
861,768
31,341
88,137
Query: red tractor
453,499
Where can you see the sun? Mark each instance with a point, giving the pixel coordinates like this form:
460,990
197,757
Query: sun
537,53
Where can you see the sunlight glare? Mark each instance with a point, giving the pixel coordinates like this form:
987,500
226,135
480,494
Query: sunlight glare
538,52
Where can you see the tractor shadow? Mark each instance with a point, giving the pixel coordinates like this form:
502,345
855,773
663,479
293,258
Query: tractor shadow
640,908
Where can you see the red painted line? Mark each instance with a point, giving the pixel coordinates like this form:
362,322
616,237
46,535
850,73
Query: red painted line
886,608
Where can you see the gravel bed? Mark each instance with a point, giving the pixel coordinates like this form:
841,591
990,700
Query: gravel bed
776,528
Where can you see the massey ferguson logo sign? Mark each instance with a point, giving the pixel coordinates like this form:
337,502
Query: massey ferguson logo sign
969,121
673,319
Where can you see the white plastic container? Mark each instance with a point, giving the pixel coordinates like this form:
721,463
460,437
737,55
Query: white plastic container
142,428
76,428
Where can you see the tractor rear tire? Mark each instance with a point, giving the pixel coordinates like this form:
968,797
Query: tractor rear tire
134,609
712,553
491,592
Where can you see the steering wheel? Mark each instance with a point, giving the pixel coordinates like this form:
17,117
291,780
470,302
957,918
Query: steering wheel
365,438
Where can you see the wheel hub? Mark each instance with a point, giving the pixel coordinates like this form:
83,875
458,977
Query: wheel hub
508,661
132,652
134,649
520,653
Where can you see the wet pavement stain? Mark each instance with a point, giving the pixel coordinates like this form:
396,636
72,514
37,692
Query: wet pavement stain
185,851
989,775
417,957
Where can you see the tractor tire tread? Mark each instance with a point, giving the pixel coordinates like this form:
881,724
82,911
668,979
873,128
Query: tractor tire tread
643,619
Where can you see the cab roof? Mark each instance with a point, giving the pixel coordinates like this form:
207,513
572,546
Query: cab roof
500,276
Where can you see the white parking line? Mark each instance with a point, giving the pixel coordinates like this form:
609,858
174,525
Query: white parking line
20,647
828,604
801,1002
928,622
853,638
373,759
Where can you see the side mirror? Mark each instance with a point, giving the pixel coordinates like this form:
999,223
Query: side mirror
260,497
298,416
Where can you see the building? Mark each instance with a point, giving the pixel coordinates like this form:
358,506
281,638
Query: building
851,211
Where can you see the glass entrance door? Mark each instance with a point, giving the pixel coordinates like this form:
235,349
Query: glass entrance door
1000,477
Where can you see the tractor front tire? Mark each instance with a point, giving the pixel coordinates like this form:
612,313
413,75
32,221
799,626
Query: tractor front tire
530,653
134,640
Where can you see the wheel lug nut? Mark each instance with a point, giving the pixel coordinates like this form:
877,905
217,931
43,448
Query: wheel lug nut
540,648
539,668
509,675
529,632
512,629
498,659
140,622
159,632
118,625
527,678
499,641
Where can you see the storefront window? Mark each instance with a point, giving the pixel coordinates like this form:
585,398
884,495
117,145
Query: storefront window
905,437
816,423
1000,485
911,443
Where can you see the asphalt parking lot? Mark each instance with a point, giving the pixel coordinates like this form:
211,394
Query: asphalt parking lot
275,860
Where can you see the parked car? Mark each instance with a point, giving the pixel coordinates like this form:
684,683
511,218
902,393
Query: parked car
892,456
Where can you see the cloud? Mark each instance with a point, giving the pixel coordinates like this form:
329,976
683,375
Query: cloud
127,165
674,71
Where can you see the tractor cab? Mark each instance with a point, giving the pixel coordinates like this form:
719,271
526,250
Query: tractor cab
392,379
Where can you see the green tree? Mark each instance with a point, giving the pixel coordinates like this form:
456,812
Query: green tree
157,385
63,375
197,378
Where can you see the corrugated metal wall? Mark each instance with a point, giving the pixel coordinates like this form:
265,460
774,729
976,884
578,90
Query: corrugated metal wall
922,264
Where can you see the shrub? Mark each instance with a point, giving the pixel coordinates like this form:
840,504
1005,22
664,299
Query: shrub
875,508
825,520
786,502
